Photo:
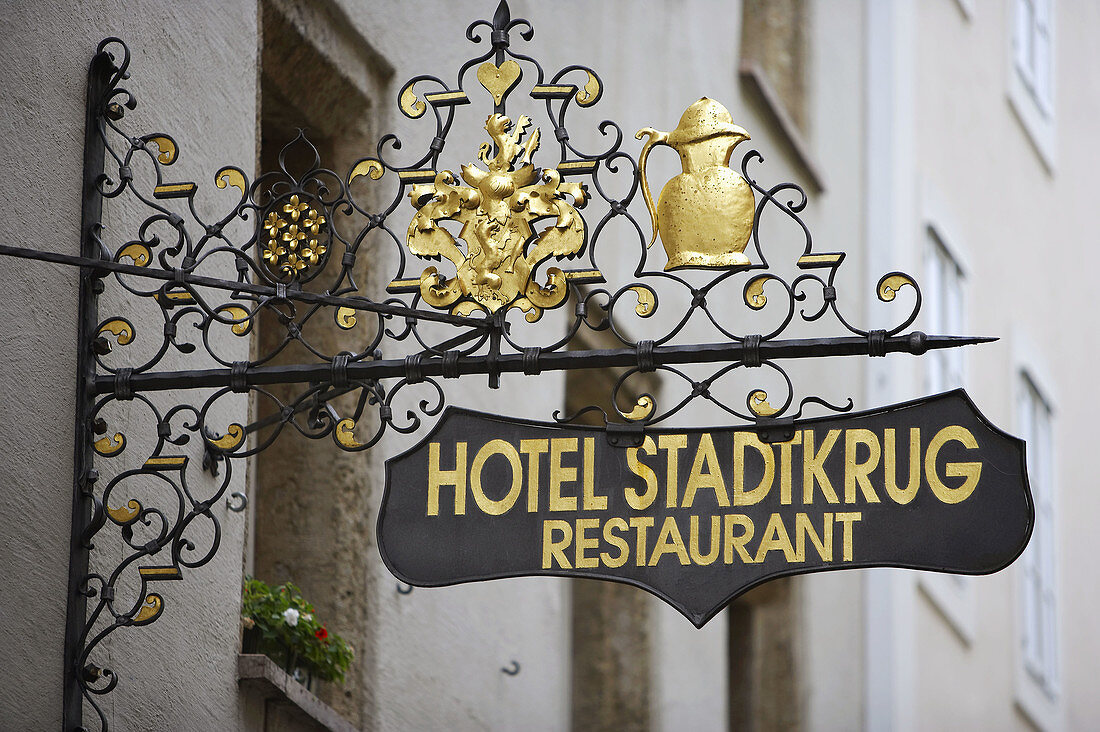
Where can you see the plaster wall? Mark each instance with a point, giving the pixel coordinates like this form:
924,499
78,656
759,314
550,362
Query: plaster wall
193,73
1023,224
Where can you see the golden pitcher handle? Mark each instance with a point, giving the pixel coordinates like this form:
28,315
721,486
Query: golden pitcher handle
655,138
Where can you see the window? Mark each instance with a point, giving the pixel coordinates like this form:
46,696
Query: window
1031,46
316,73
773,42
945,306
775,57
1038,614
1031,78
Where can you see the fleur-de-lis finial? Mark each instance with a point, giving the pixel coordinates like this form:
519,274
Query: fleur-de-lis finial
502,17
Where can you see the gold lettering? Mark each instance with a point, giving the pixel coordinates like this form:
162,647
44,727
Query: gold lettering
803,528
669,541
856,473
645,500
775,537
486,504
848,519
715,541
741,497
641,523
785,472
731,542
672,443
612,538
584,543
889,458
533,449
971,471
591,502
560,474
813,466
705,454
555,550
438,478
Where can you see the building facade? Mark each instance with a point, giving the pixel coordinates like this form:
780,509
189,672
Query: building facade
949,139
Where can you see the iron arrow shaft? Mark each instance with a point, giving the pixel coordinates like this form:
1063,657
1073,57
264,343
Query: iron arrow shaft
731,352
187,278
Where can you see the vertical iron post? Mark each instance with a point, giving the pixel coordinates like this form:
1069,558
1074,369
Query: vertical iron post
99,74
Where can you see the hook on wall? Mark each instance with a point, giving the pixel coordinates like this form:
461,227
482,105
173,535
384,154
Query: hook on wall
512,670
242,502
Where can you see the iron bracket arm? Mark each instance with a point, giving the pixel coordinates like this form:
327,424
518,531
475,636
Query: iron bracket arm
429,365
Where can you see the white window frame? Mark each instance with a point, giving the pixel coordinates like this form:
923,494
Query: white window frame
1031,73
945,305
1038,677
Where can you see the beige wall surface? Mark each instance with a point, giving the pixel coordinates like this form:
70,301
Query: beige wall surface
194,76
1021,226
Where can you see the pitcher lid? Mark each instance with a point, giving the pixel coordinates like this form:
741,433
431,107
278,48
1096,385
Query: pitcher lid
703,120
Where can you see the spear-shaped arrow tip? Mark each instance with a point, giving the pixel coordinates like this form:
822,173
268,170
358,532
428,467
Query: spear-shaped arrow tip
503,16
919,342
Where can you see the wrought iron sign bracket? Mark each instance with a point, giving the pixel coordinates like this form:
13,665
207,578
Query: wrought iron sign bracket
524,248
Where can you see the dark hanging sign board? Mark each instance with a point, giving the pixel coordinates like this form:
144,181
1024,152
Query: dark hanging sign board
698,516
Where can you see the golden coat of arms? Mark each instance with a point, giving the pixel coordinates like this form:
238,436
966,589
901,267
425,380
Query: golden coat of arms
497,211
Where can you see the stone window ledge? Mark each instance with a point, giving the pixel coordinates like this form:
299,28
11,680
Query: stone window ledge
260,674
755,80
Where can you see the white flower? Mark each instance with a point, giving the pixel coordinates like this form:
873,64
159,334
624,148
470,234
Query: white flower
290,615
307,617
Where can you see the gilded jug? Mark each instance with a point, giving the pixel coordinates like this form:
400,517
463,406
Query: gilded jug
705,214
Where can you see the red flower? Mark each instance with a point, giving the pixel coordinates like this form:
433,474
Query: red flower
321,633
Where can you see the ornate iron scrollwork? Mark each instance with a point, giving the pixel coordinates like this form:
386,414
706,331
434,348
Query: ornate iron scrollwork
296,266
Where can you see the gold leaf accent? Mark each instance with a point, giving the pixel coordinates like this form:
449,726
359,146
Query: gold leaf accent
410,105
163,462
532,313
647,301
754,292
758,403
889,286
467,308
168,151
160,573
230,177
373,168
294,236
499,80
587,96
496,212
150,609
239,314
642,409
231,439
110,446
701,228
174,190
125,514
345,318
122,330
139,253
344,434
